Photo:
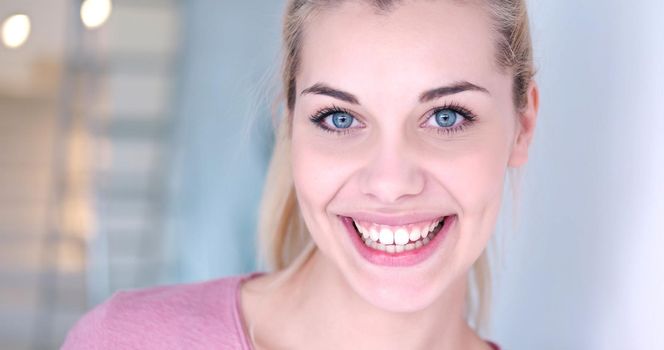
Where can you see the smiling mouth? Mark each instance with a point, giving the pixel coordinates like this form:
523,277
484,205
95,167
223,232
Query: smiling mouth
397,239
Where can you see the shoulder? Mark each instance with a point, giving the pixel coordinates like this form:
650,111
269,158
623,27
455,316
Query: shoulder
196,315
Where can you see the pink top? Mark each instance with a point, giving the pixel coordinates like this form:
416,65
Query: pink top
202,315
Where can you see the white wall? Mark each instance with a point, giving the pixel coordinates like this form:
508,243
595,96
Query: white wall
585,270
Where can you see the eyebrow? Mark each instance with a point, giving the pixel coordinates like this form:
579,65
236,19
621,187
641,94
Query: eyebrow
322,89
455,88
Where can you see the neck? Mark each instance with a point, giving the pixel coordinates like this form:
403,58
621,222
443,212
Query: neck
319,295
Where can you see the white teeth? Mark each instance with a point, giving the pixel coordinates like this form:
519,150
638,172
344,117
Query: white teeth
364,232
373,233
383,238
415,234
401,237
386,236
361,230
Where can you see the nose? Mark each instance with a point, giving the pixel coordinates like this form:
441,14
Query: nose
392,172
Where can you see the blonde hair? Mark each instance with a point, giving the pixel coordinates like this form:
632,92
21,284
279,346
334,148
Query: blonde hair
284,241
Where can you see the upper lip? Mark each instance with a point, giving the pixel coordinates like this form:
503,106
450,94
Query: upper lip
396,219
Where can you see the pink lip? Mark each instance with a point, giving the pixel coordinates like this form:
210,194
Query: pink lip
392,220
403,259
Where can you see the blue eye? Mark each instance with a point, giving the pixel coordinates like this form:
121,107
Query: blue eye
336,120
450,120
342,120
446,117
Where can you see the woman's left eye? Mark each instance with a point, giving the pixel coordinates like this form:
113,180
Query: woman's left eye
445,118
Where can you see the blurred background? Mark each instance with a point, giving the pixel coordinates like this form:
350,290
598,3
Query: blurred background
135,134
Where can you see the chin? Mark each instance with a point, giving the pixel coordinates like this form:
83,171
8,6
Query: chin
397,297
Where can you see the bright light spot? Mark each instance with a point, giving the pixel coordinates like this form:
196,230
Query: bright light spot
15,30
94,13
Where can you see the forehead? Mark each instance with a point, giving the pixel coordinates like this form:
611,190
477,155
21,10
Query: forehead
416,44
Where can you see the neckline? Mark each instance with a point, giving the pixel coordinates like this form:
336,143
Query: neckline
240,320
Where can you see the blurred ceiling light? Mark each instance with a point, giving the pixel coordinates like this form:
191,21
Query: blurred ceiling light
94,13
15,30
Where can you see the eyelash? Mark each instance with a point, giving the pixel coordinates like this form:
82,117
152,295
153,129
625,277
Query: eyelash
470,118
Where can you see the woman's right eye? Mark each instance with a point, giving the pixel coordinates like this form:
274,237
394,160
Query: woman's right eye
335,121
340,120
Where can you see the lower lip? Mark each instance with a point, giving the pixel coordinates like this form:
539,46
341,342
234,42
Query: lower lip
403,259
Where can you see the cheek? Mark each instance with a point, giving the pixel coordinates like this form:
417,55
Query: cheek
306,174
476,180
319,172
316,174
480,173
321,163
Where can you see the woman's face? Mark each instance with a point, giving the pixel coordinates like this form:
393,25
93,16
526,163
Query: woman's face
402,119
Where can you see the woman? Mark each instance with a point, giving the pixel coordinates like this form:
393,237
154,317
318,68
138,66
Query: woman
402,119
